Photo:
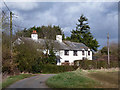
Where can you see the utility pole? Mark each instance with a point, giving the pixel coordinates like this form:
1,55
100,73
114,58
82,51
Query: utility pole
11,45
108,48
11,33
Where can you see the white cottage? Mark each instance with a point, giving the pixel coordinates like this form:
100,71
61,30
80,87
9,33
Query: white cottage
66,51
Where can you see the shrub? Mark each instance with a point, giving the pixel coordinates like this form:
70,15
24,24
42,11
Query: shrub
94,64
102,64
114,64
27,57
87,64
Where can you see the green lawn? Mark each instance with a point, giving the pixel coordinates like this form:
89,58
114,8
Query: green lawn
84,79
12,79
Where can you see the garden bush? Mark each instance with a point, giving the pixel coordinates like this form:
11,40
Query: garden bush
114,64
87,64
102,64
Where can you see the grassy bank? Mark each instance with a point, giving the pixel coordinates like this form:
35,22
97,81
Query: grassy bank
70,80
12,79
84,79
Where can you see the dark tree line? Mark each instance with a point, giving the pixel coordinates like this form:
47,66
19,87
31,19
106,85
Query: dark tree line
48,32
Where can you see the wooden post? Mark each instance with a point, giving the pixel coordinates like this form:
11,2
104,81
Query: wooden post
11,44
11,33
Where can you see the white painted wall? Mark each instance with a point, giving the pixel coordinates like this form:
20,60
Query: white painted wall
71,58
89,57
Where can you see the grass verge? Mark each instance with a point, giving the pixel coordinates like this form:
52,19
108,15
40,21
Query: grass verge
84,79
12,79
71,80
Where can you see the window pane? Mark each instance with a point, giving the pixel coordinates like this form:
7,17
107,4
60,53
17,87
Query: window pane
66,52
66,61
88,52
82,52
75,53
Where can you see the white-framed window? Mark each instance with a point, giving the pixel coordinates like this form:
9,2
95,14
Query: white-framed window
67,61
66,52
89,53
75,53
83,52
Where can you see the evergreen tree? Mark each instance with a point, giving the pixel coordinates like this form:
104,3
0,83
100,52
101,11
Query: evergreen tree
68,38
82,34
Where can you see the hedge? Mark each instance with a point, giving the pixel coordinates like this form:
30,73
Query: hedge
49,68
57,69
83,64
94,64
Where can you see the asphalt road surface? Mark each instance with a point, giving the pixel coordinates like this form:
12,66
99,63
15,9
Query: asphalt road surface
32,82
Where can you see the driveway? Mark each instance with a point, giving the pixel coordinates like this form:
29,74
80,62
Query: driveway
32,82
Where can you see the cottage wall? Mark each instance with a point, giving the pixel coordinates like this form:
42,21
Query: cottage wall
89,57
71,58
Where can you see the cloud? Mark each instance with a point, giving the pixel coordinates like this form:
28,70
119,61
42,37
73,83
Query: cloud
47,18
23,5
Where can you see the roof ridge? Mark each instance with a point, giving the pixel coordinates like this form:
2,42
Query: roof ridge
73,42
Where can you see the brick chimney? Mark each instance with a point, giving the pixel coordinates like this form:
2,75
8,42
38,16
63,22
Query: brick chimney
34,35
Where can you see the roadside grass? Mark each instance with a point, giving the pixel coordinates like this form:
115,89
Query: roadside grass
71,80
12,79
84,79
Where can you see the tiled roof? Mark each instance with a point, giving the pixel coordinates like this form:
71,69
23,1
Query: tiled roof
64,45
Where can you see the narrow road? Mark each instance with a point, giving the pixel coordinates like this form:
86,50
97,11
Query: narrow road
32,82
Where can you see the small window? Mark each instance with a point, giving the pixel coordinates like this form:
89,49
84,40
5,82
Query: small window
66,61
66,52
83,53
88,52
75,53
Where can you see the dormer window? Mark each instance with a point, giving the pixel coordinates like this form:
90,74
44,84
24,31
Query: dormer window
66,52
75,53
